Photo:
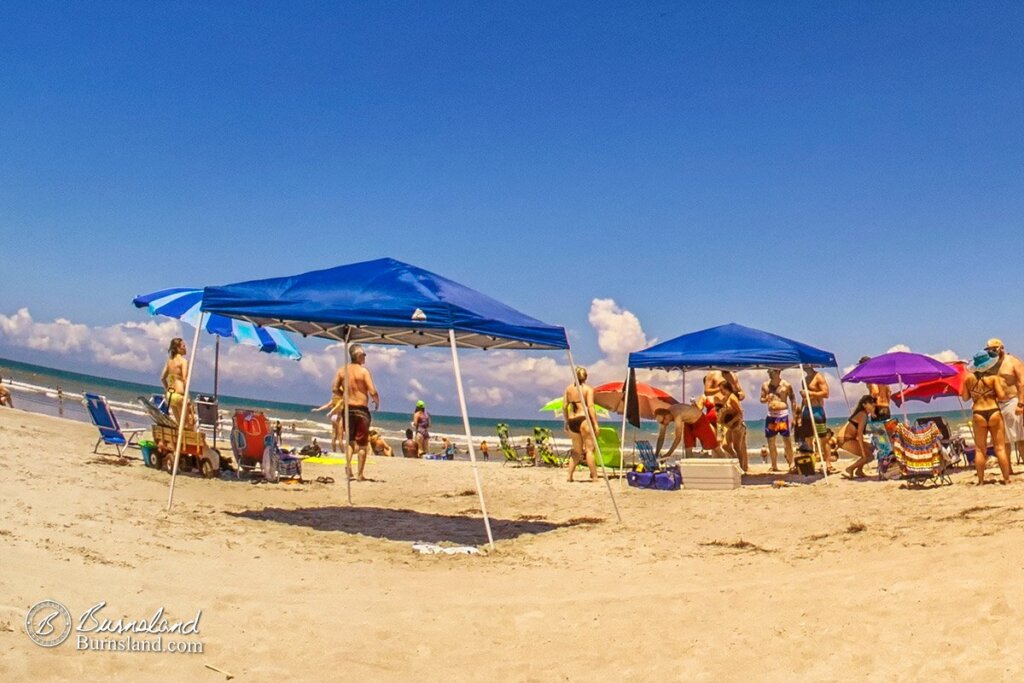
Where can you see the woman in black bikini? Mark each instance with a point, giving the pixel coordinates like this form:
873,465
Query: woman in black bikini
985,391
851,436
580,429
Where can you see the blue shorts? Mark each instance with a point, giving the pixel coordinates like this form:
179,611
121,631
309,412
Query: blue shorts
776,426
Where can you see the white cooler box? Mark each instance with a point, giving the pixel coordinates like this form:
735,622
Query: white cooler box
710,474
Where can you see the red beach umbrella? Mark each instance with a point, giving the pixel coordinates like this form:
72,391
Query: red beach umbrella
611,396
944,386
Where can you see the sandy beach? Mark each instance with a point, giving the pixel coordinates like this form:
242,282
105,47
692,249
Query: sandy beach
838,581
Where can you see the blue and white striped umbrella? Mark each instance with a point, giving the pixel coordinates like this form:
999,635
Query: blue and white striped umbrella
183,304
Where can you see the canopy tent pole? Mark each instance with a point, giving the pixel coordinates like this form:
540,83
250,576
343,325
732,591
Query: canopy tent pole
683,391
593,429
344,427
814,426
469,437
625,409
184,409
906,417
842,386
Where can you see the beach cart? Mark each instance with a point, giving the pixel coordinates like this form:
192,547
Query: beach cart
196,454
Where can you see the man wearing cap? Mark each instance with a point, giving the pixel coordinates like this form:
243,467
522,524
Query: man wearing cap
360,390
421,427
1010,369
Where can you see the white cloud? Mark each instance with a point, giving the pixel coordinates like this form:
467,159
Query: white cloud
618,330
489,396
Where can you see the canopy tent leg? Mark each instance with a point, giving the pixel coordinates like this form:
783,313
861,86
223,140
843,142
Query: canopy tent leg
625,409
682,391
842,387
216,394
469,437
593,429
344,428
184,410
814,426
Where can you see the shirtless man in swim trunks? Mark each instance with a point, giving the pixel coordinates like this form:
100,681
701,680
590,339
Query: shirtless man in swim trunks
882,395
1011,371
690,422
817,388
779,395
360,390
173,381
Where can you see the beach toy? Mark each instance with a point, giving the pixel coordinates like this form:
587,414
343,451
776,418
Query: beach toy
148,448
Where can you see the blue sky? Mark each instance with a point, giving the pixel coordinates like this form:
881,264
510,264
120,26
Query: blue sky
848,174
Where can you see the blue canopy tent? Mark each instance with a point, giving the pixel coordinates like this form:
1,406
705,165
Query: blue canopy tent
388,302
732,347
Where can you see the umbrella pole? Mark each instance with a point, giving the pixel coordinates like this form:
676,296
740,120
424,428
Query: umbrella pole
814,426
344,427
593,429
184,411
906,417
469,437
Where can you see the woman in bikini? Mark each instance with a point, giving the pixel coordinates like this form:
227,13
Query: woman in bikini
730,417
985,392
173,381
851,436
580,423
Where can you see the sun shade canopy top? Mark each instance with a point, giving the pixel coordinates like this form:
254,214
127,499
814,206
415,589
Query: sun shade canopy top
730,346
383,302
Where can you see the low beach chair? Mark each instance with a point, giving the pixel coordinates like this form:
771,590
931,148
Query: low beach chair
920,455
610,446
510,451
543,438
646,453
953,445
105,421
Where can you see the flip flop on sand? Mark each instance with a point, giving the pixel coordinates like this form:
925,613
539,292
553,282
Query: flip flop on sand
325,480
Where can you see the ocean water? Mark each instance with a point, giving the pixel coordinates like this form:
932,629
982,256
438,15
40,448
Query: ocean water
35,388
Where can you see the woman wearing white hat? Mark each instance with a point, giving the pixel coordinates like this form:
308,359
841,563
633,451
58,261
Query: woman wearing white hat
985,391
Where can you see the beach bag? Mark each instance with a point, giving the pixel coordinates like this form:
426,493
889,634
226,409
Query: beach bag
669,479
804,464
640,480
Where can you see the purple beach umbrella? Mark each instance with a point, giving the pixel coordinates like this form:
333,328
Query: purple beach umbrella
899,367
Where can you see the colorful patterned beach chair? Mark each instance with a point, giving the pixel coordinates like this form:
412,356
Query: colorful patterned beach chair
954,446
918,451
542,437
105,421
511,452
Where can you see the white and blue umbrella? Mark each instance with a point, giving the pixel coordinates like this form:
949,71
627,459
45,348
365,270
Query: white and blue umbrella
183,303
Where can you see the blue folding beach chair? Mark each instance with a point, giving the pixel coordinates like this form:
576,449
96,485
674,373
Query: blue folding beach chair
105,421
646,453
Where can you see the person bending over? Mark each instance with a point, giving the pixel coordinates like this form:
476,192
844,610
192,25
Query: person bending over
690,424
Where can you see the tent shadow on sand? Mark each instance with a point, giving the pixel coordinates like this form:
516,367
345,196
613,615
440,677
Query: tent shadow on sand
406,525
